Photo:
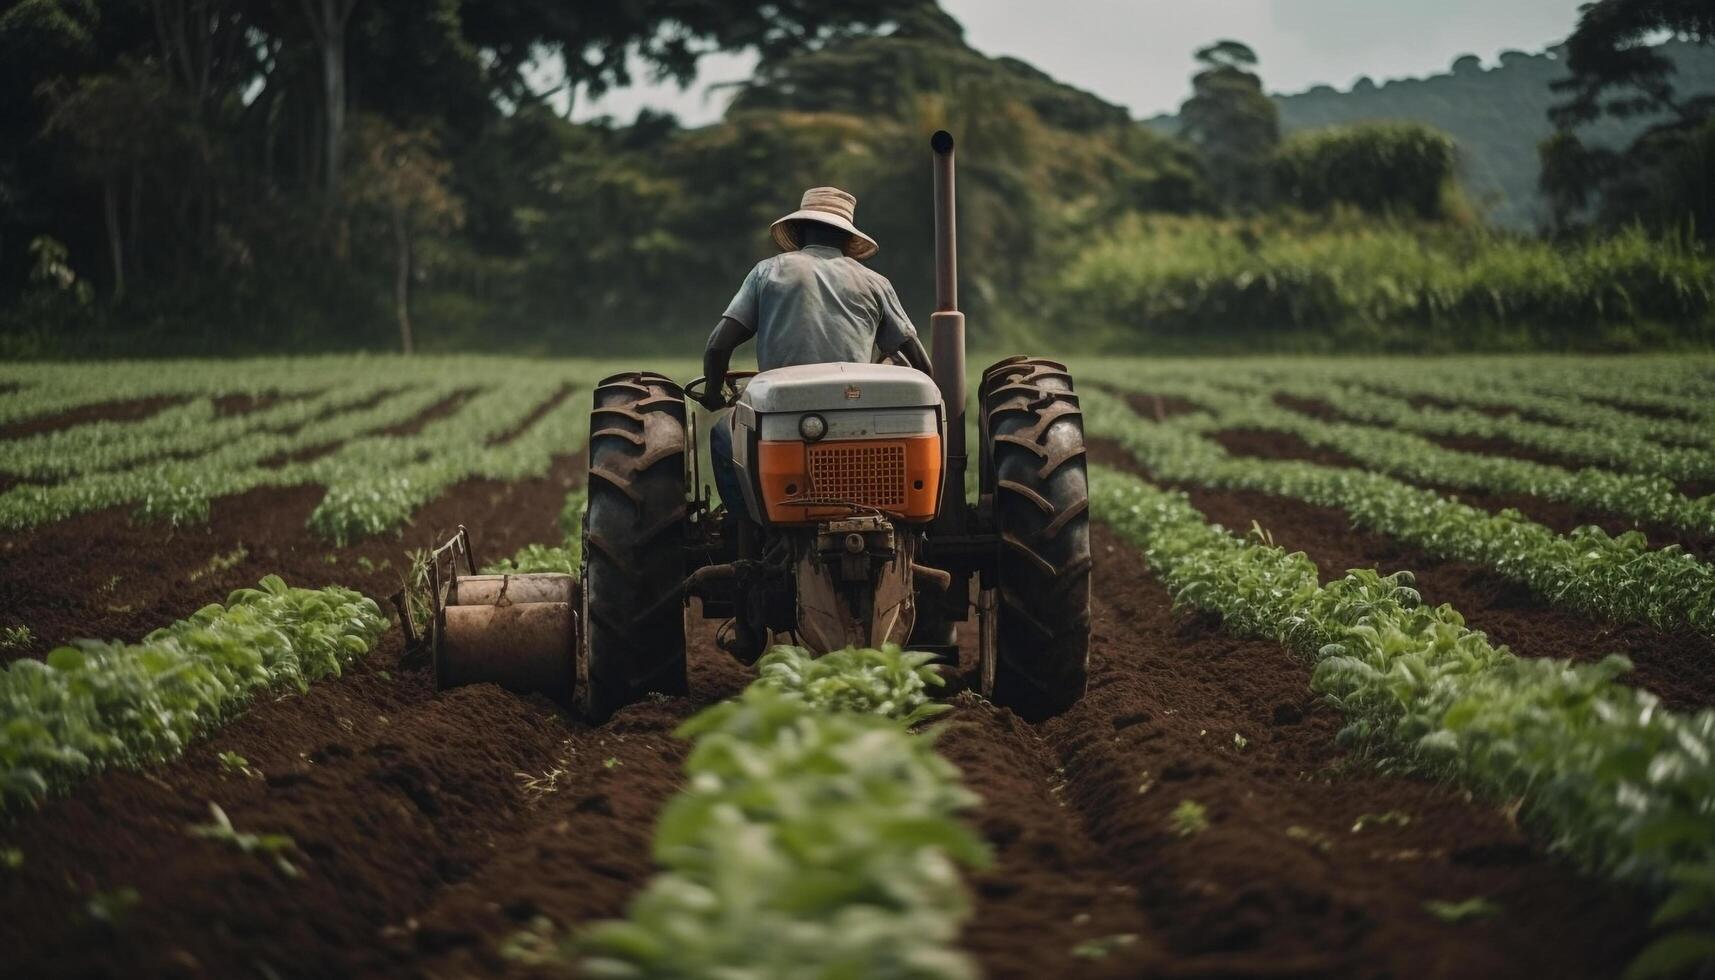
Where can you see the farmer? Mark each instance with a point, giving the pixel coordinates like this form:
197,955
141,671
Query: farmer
814,303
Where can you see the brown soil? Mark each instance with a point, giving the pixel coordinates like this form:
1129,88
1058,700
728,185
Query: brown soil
129,410
1560,516
1649,411
1494,446
535,416
445,408
432,826
1677,666
1278,445
1316,408
100,575
244,404
1158,407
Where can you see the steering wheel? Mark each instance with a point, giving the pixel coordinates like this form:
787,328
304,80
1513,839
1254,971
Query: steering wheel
731,387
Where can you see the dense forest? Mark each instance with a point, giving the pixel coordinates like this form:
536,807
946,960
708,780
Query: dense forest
199,176
1496,114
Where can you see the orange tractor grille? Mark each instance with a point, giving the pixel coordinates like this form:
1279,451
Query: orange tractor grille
872,475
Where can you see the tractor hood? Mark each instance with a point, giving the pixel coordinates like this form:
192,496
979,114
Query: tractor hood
833,387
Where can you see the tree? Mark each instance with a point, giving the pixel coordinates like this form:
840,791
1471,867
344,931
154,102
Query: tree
1404,169
327,20
1614,47
1232,123
402,179
119,125
1618,70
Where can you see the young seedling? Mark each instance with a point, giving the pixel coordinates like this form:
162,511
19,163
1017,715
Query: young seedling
233,762
1314,838
1189,818
266,845
11,858
110,908
1476,907
1104,946
16,637
1392,818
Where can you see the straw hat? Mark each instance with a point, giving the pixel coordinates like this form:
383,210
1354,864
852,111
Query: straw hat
830,206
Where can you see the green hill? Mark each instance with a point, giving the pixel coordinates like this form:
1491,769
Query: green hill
1497,115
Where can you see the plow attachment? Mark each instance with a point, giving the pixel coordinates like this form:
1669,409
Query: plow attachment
517,631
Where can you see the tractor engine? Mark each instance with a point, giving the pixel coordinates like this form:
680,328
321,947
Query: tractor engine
844,463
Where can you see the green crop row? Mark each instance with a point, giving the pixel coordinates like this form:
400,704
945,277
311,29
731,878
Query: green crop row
816,836
1381,392
1605,774
374,484
1618,578
180,432
48,389
100,704
1583,393
179,490
1411,457
566,557
374,480
1623,452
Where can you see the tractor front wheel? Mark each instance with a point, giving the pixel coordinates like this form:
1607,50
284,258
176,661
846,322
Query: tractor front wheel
1036,660
633,638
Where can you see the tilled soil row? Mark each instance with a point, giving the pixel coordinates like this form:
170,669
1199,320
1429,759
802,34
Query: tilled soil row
102,575
1281,883
1559,516
1678,666
431,827
1553,512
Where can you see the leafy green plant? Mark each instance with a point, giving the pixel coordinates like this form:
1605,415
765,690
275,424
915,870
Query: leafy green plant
816,835
235,763
273,846
889,681
1188,819
16,637
1103,947
1615,781
97,704
111,907
1619,578
1476,907
1391,818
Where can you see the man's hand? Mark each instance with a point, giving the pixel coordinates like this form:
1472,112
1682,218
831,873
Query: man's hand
712,397
729,333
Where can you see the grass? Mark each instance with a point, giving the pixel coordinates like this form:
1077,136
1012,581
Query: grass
1303,283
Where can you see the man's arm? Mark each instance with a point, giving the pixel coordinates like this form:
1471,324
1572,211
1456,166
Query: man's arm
914,354
896,336
717,357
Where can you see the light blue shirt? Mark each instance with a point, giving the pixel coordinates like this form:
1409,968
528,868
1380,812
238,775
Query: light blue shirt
816,306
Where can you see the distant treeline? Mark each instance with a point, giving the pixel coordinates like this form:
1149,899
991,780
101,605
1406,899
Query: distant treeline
1496,115
170,189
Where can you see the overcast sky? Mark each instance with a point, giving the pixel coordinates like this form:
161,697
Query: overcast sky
1138,53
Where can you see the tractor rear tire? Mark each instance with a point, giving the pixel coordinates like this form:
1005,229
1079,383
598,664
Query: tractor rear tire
634,545
1034,464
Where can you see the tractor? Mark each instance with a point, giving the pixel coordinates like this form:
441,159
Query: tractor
856,528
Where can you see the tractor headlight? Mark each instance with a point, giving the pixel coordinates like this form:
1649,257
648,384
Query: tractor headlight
812,427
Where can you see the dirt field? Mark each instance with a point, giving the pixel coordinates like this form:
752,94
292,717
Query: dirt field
433,826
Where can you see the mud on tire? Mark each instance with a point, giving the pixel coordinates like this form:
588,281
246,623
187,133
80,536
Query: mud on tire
1033,463
634,534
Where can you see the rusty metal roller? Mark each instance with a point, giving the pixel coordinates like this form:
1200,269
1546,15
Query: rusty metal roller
518,631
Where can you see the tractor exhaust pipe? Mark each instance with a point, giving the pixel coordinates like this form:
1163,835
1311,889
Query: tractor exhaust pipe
947,330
